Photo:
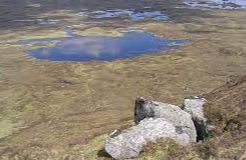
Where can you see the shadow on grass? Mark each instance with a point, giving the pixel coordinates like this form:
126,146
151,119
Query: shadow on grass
103,154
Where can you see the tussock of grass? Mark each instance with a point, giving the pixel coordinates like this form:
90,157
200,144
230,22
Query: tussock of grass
6,127
94,148
99,31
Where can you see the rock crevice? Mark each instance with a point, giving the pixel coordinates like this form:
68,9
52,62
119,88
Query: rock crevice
194,106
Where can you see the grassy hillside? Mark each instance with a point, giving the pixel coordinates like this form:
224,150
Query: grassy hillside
226,114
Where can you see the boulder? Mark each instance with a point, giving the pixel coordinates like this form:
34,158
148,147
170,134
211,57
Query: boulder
129,143
194,106
173,114
157,120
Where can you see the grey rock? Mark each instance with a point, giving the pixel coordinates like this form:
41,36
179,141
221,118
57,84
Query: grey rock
128,143
174,114
194,106
157,120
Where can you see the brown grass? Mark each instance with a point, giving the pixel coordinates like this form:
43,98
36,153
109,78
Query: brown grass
55,108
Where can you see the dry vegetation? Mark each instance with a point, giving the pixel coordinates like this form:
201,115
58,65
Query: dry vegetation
225,111
57,110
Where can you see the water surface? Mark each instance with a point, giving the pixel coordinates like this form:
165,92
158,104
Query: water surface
218,4
131,14
87,48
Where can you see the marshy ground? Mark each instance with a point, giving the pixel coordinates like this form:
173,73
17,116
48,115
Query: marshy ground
57,110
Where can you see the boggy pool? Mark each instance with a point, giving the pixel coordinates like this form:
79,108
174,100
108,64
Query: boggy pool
88,48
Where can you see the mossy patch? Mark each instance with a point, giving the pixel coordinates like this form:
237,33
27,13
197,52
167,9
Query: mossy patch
168,30
167,149
51,34
11,38
115,66
94,147
6,127
79,69
98,31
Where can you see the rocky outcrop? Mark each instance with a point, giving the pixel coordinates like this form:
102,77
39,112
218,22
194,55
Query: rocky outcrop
174,114
194,106
224,109
129,143
154,120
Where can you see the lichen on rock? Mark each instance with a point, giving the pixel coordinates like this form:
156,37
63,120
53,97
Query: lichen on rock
130,142
194,106
154,121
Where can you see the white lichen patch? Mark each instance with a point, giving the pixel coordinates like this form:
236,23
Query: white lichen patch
34,5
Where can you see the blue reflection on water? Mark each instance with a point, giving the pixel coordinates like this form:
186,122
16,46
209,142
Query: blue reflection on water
87,48
218,4
155,15
131,14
